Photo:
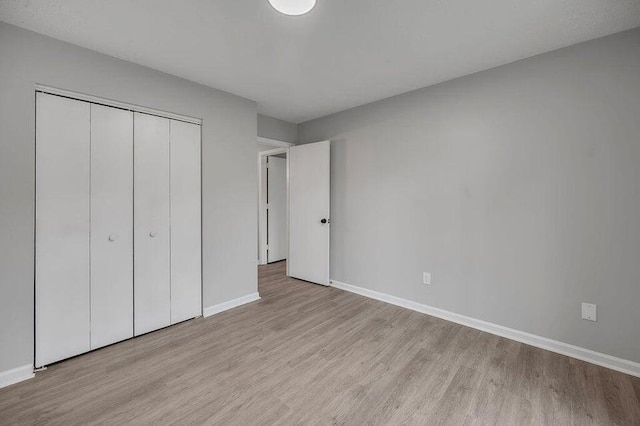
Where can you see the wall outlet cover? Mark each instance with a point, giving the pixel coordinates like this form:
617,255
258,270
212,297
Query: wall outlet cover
426,278
589,311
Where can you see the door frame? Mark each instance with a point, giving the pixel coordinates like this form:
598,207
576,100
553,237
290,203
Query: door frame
280,147
116,104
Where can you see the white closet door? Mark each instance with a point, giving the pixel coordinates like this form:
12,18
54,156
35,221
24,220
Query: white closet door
185,222
111,225
152,298
62,228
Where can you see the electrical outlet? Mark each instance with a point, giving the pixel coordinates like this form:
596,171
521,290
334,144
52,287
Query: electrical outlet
589,311
426,278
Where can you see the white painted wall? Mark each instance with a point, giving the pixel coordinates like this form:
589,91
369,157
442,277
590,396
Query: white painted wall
228,166
279,130
518,188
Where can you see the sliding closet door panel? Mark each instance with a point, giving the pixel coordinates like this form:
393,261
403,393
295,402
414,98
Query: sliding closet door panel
111,225
185,222
62,228
152,298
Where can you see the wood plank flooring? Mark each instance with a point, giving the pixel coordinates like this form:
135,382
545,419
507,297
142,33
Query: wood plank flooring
307,354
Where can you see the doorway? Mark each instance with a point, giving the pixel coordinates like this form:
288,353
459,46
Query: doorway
272,201
293,209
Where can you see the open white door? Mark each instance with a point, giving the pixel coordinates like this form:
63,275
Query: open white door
309,198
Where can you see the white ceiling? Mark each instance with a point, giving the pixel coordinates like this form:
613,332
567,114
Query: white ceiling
343,54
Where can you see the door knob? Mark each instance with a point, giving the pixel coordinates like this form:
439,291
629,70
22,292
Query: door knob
112,237
325,221
152,234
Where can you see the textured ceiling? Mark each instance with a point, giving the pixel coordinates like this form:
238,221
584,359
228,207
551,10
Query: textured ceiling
343,54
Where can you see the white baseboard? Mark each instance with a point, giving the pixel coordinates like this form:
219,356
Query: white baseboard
221,307
16,375
603,360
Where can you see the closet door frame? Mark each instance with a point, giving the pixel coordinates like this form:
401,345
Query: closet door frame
116,104
82,97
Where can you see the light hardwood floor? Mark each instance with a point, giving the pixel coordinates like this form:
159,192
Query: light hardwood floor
307,354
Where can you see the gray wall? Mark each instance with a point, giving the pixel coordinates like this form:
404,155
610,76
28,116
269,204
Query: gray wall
280,130
229,168
518,188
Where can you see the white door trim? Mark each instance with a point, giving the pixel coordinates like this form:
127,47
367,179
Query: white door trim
116,104
274,143
262,200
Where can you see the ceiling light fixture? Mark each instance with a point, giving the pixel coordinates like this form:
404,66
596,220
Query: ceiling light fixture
293,7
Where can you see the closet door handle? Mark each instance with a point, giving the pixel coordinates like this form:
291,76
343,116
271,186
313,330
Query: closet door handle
112,237
152,234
